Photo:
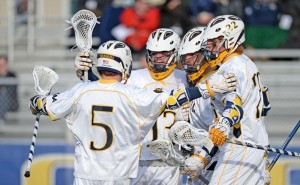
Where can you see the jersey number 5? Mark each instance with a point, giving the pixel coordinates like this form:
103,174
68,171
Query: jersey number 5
109,132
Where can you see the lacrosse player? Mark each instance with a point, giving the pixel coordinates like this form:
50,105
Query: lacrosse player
109,119
201,111
162,46
161,56
240,113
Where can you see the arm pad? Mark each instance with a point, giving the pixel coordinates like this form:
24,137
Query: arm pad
266,100
233,109
182,97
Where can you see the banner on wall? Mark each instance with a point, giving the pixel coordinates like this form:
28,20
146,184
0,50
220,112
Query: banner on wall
53,165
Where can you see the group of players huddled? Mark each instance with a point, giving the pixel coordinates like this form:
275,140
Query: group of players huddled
119,112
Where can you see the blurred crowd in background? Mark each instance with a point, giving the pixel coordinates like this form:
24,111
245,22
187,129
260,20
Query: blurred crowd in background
269,23
8,90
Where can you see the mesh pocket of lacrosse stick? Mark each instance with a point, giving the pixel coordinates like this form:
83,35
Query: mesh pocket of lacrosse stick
83,23
44,79
183,133
164,150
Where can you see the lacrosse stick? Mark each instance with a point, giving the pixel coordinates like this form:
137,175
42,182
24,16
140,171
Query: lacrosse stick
164,150
83,23
184,133
44,79
270,149
287,141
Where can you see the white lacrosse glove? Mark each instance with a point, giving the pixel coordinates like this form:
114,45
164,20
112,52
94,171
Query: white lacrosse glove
195,164
183,113
83,63
218,83
219,131
38,105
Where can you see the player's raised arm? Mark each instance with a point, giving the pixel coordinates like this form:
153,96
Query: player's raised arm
218,83
57,105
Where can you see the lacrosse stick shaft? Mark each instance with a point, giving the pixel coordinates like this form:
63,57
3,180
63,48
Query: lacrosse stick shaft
275,150
44,79
285,145
203,179
32,146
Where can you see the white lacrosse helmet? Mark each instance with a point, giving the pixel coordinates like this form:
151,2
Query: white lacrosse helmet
231,28
190,49
162,39
115,56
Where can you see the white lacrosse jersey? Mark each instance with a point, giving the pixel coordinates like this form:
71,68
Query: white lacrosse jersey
252,126
202,112
109,120
176,81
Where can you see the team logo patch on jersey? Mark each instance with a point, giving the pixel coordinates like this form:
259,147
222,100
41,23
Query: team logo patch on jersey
158,90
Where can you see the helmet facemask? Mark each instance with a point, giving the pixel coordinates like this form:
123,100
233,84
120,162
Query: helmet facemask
215,50
194,64
160,61
212,48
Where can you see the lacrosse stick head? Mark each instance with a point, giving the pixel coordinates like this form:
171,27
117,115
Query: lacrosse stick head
164,150
83,23
183,133
44,79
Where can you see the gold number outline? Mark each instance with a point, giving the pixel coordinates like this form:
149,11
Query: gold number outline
155,129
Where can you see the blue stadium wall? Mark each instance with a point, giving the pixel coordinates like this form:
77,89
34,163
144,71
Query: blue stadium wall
53,165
